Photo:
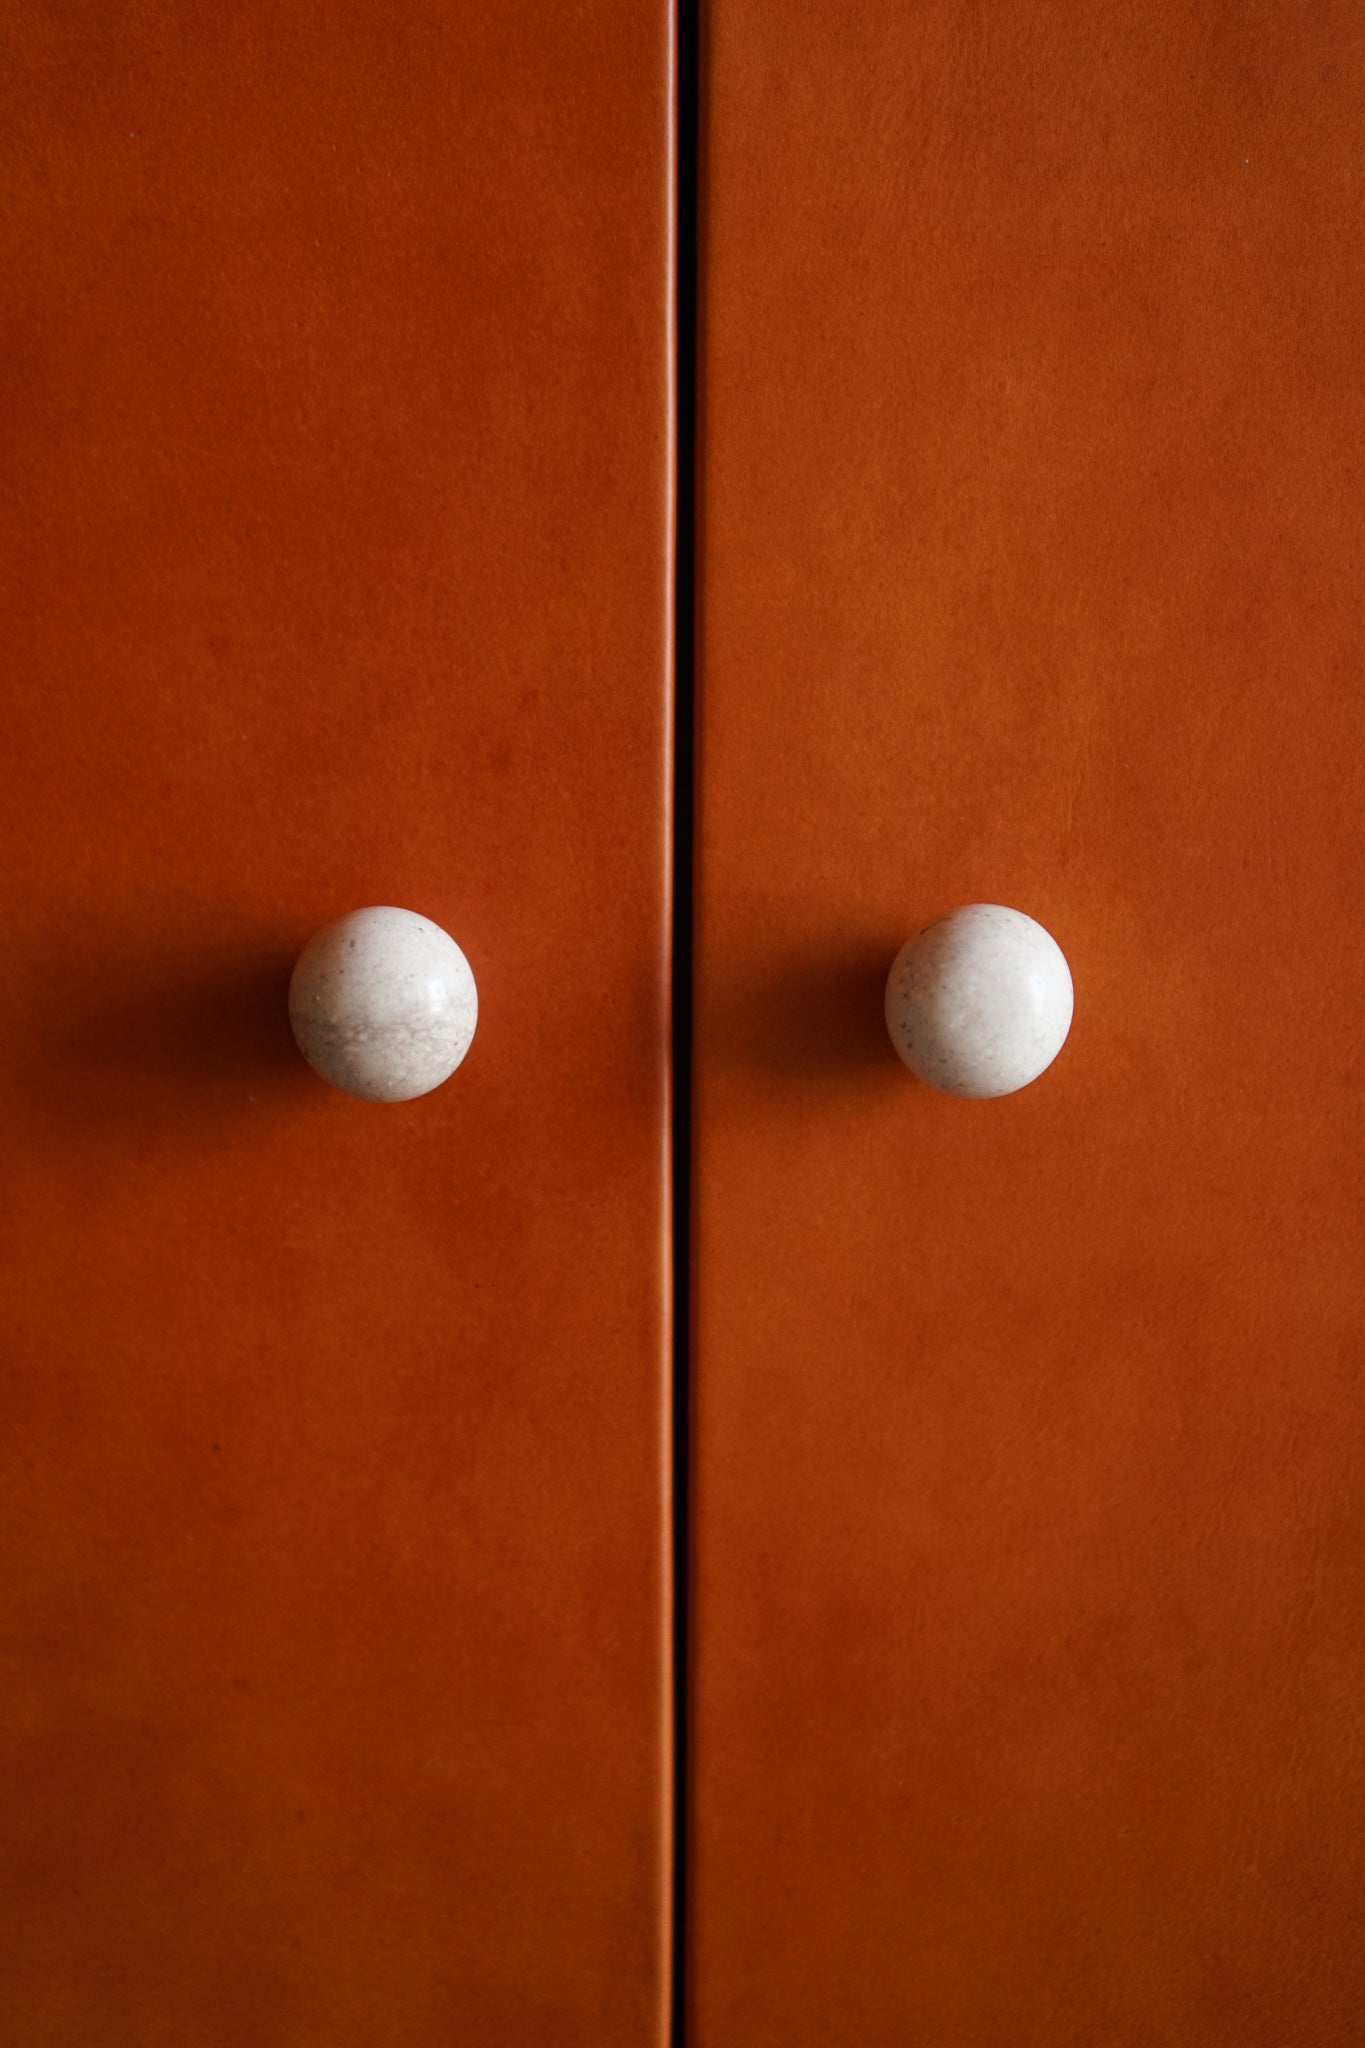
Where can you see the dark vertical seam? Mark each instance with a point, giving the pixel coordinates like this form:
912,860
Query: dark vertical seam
684,701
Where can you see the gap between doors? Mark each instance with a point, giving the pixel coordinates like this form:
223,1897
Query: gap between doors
685,257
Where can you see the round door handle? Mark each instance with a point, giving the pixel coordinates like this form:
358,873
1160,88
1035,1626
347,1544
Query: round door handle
383,1004
979,1002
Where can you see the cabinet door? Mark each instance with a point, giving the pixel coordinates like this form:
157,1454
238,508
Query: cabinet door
336,504
1028,1549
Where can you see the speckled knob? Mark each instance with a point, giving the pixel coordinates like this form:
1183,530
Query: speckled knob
980,1001
383,1004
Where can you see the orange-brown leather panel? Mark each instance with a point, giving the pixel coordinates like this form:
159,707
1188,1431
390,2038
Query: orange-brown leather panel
336,528
1029,1695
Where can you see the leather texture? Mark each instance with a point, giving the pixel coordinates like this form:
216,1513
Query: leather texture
1028,1555
337,522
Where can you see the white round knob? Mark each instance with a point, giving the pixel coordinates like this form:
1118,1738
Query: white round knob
980,1001
383,1004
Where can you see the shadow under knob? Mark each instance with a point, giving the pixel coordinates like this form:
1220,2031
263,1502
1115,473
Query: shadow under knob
979,1002
383,1004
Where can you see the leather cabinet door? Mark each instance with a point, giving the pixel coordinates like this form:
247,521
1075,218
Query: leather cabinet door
1027,1561
337,513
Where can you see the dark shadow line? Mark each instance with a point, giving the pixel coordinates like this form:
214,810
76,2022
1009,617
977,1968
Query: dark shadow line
684,701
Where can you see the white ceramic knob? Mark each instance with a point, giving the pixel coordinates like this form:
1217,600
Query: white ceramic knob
980,1001
383,1004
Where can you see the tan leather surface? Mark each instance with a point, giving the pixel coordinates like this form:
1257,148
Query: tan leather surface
1029,1553
336,529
